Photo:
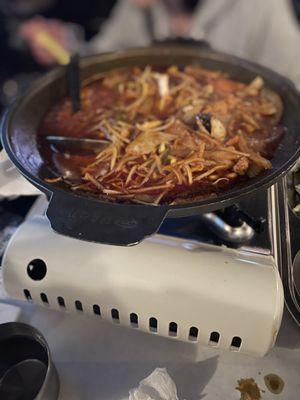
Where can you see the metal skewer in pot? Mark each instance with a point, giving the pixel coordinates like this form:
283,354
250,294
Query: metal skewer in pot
68,144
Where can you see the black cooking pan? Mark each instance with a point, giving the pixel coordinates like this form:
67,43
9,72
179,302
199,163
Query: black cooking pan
86,218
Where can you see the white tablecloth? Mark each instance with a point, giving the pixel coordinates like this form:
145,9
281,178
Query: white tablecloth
97,360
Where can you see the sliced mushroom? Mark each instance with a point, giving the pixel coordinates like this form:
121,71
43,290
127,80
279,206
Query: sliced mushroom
273,106
255,86
241,166
162,83
218,130
147,141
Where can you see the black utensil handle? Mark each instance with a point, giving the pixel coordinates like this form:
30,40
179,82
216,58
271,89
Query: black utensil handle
108,223
73,78
183,41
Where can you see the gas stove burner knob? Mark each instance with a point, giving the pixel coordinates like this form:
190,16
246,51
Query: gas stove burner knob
37,269
257,224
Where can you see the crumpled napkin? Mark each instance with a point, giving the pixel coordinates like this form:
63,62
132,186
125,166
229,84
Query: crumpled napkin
12,183
157,386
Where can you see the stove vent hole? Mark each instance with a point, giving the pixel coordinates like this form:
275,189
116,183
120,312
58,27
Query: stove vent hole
78,305
27,295
115,315
153,324
61,302
173,329
96,309
193,335
236,343
44,298
214,338
134,320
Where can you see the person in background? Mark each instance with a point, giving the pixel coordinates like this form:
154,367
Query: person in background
266,32
296,4
79,20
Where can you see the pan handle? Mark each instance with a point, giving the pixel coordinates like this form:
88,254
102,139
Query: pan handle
109,223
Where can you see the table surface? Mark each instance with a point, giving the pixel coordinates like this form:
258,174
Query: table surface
99,360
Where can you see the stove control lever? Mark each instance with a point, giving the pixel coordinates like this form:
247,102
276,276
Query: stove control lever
233,234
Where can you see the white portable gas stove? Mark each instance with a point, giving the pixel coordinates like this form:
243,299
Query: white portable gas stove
212,280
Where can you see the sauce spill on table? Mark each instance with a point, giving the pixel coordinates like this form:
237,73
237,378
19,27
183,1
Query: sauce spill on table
249,389
274,383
